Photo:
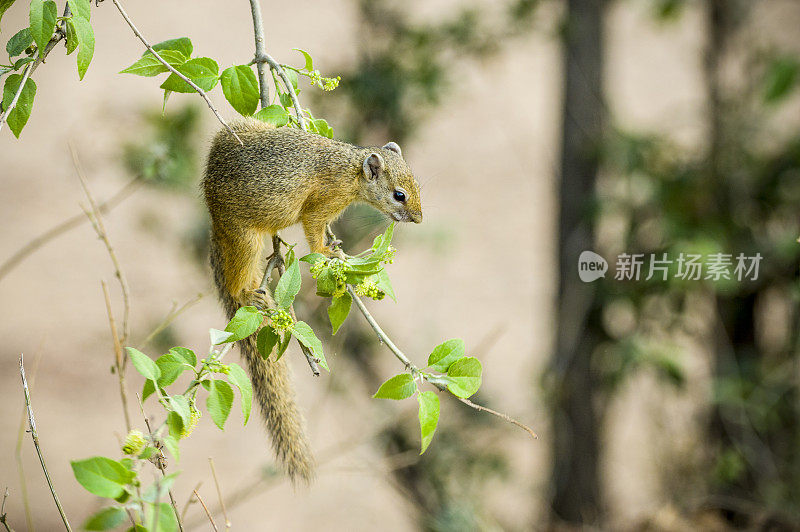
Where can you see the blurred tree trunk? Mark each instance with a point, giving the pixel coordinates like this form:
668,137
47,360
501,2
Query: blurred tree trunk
574,385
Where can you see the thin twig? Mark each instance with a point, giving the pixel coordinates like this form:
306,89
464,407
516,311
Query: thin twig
219,493
3,518
258,33
170,317
97,223
35,437
276,262
384,338
274,65
188,502
500,415
118,358
23,482
213,524
172,69
160,464
66,225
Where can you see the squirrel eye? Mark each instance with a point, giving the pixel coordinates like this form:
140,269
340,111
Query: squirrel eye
399,196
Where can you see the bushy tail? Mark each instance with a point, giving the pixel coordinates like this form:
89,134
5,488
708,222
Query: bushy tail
271,380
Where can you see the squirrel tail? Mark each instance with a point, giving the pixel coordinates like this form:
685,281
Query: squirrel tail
271,379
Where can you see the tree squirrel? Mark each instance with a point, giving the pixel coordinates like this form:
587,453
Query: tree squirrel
279,177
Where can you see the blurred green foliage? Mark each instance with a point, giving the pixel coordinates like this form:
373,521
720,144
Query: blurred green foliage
405,67
166,154
668,198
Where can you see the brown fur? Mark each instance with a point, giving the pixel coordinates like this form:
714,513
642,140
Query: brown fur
278,178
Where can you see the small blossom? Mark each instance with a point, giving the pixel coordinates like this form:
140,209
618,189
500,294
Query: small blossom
370,289
187,430
281,320
134,443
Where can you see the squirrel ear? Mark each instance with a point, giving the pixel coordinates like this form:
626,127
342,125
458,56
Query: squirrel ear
373,165
393,147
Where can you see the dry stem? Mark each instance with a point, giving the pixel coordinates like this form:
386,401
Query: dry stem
35,437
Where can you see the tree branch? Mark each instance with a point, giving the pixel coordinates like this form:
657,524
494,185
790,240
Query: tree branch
35,437
118,358
97,223
66,225
172,69
258,33
274,65
160,464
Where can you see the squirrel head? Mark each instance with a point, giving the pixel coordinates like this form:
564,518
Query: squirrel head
389,185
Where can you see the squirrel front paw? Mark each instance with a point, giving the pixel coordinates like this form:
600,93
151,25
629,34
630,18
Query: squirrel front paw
259,299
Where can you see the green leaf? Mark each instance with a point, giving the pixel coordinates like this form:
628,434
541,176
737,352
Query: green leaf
240,379
4,5
175,425
781,78
159,489
81,8
83,29
42,18
72,37
171,366
326,283
171,443
19,115
144,364
292,75
240,87
287,337
183,45
398,387
273,114
220,399
323,128
464,377
150,66
22,61
180,405
309,62
313,258
384,283
266,340
446,353
203,71
220,337
106,519
428,417
102,476
166,518
303,332
5,70
186,354
288,286
17,44
381,243
148,389
245,322
339,309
